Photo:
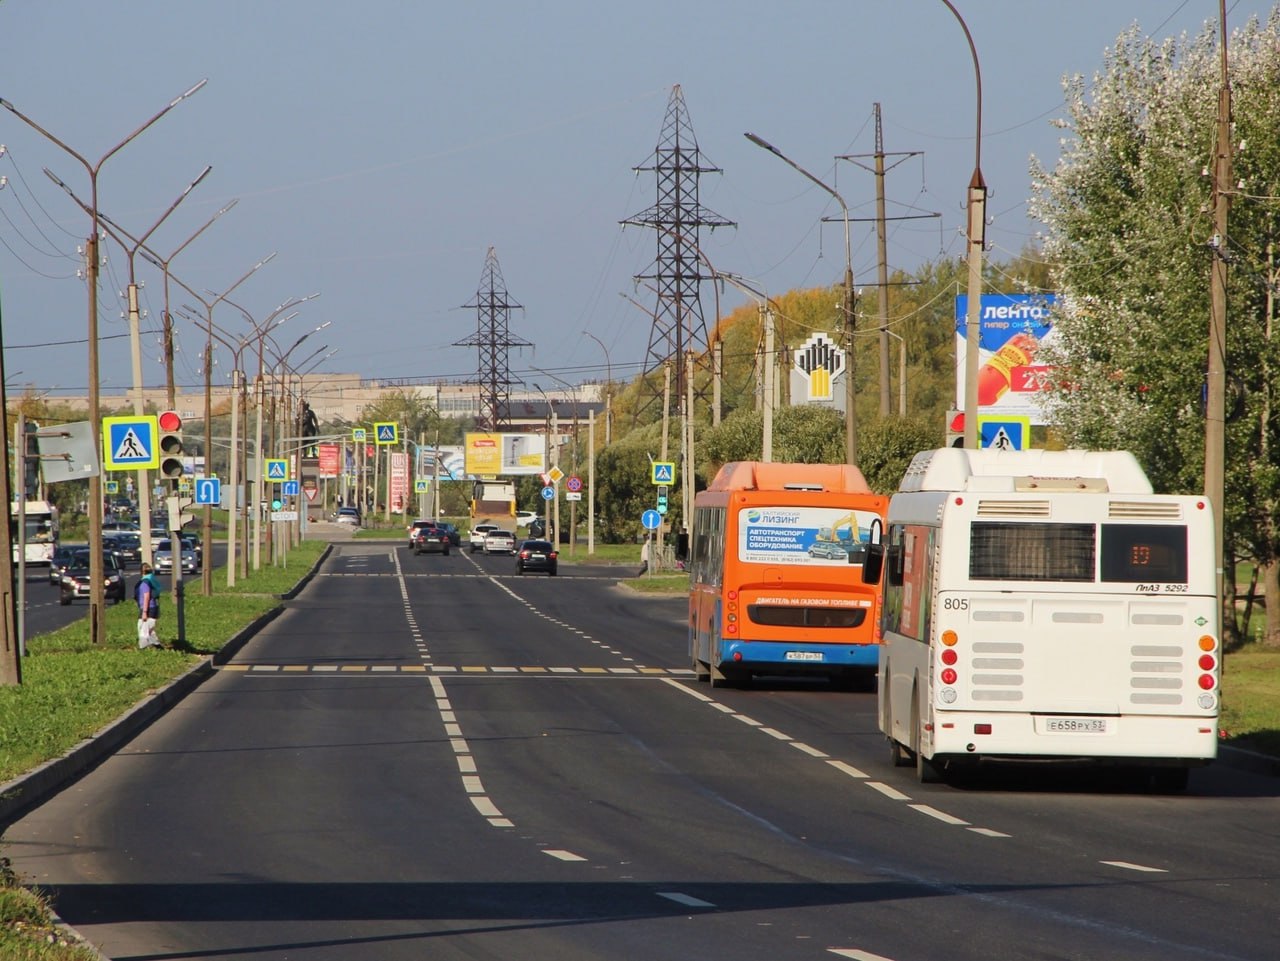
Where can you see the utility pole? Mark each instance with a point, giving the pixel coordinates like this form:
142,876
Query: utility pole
1215,400
879,169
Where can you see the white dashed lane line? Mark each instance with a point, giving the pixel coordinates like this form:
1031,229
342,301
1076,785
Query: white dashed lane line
1129,866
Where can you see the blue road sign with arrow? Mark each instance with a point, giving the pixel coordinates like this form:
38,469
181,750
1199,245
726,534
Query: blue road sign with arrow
208,490
651,519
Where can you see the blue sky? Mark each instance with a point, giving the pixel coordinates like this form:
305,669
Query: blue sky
379,149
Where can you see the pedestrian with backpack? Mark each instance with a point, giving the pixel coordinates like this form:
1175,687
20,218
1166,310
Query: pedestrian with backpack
147,593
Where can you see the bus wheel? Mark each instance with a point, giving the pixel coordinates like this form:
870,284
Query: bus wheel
722,679
926,771
899,756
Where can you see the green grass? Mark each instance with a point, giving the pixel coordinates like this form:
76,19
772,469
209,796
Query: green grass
27,931
1251,699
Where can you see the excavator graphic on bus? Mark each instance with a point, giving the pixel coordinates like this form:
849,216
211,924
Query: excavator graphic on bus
842,541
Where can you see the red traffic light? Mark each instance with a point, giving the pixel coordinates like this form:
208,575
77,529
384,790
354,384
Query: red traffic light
169,420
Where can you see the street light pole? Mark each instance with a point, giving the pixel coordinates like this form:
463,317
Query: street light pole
206,576
976,238
97,607
131,246
608,394
765,305
850,321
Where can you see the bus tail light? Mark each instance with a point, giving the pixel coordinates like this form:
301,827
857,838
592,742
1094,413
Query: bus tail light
982,729
949,675
1208,662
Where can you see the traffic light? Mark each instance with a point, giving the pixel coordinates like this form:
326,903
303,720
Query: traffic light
662,500
31,461
170,444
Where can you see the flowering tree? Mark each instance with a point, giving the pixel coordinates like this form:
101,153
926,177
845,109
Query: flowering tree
1128,217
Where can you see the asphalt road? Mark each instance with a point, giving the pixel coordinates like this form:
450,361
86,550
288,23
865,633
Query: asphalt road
432,757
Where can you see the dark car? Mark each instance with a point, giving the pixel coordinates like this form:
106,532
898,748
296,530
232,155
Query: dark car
455,535
61,558
431,540
76,581
127,545
536,556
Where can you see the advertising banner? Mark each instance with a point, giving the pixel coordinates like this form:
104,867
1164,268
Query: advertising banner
1012,328
804,535
327,460
398,480
492,455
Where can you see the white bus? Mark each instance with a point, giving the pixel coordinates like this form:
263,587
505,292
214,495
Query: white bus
1047,605
41,531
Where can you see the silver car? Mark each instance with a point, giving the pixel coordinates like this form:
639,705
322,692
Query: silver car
162,557
499,542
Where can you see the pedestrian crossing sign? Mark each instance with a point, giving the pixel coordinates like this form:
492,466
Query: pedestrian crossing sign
421,485
129,443
277,470
664,472
386,433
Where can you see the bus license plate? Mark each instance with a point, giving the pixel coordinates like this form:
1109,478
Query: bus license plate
1076,725
804,655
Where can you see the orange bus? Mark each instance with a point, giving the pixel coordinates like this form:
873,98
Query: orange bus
776,585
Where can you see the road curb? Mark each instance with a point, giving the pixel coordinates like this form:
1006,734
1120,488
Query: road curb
32,789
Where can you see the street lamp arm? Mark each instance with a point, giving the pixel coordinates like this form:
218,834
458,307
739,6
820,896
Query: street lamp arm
977,74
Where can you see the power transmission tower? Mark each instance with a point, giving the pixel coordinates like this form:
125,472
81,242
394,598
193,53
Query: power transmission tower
492,341
675,274
881,256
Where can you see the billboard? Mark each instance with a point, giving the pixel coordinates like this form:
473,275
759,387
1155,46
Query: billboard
818,372
493,455
1012,328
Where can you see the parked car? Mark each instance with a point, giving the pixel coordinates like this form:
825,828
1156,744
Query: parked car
525,518
478,532
498,541
415,526
430,539
347,515
536,556
126,544
162,557
75,581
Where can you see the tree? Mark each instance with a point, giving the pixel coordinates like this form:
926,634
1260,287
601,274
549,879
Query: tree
1128,211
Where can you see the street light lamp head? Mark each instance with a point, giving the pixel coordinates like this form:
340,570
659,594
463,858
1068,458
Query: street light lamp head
761,142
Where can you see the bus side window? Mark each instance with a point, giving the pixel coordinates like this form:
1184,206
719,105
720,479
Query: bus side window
893,563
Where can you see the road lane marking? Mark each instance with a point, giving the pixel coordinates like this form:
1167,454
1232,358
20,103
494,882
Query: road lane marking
987,832
856,955
848,769
561,855
811,751
939,815
892,793
1129,866
688,900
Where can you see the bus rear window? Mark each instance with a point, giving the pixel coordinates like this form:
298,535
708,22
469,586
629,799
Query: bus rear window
1031,552
1138,553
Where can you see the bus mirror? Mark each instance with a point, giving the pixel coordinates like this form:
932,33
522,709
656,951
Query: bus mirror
872,564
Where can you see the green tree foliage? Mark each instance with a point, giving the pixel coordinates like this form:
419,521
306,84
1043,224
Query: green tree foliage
415,414
1129,217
